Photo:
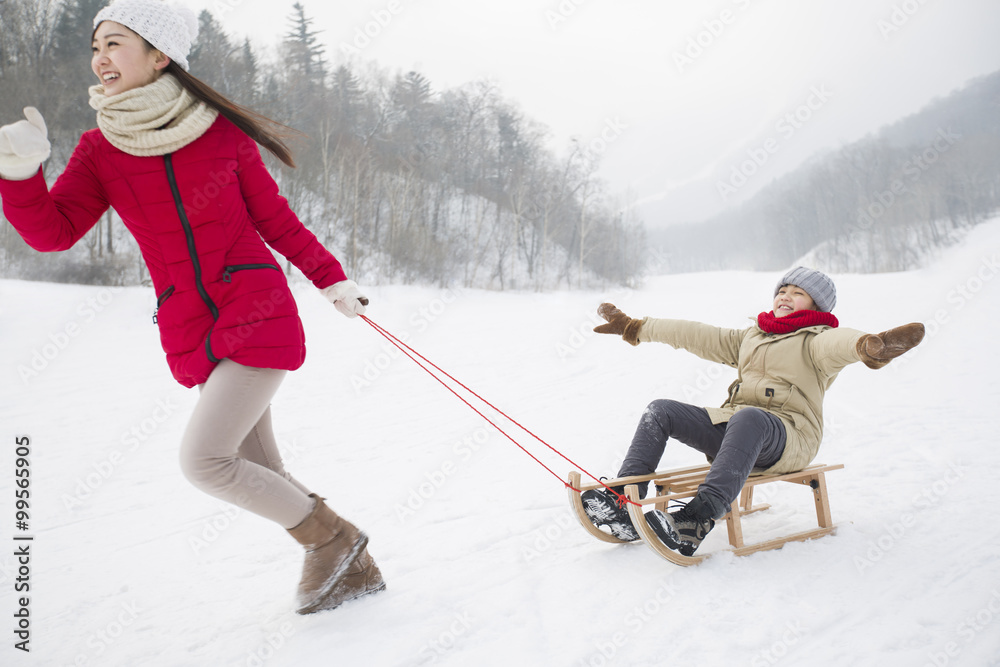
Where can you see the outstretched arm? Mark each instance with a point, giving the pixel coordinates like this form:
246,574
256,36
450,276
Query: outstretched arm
282,230
836,348
277,223
47,221
708,342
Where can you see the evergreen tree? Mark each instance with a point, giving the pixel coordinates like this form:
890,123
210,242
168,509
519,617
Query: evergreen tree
306,60
346,98
212,55
304,91
247,74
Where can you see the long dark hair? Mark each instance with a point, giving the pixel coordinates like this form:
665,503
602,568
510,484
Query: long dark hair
267,132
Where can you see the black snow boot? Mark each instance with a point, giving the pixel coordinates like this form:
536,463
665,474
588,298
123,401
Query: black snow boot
604,508
684,529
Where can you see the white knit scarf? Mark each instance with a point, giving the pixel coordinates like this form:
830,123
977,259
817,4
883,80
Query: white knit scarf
136,120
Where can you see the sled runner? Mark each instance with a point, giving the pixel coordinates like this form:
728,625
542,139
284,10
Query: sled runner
683,483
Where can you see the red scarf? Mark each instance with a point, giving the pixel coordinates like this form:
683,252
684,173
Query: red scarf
770,323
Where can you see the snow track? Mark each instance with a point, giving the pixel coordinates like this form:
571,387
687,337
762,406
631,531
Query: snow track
484,564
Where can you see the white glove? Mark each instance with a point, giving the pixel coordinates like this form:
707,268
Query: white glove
24,146
346,297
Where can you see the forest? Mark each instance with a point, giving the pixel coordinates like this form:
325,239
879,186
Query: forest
403,182
457,187
887,202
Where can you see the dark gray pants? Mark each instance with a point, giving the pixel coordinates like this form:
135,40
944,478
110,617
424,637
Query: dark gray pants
751,438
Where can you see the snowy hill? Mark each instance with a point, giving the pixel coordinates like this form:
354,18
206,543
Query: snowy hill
132,566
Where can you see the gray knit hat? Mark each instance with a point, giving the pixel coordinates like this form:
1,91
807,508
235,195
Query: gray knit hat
816,284
169,27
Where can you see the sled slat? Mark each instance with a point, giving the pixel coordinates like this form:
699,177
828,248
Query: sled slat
734,525
779,542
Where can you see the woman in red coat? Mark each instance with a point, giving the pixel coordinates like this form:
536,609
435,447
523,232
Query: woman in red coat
181,166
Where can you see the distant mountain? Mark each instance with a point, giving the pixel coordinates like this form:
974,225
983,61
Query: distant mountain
883,203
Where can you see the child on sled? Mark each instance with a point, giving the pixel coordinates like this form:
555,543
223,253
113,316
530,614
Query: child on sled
772,421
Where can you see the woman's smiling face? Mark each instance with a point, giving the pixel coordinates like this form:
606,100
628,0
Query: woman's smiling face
792,298
123,60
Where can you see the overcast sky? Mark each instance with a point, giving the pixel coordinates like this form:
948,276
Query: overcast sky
693,105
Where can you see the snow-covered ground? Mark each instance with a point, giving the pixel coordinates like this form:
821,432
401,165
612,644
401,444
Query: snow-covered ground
485,565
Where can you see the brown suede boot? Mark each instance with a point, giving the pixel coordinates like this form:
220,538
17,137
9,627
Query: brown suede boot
876,350
332,546
363,578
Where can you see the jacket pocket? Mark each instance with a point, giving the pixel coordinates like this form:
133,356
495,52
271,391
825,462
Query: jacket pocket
161,299
227,275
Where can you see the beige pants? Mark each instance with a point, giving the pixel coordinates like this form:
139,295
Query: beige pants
229,451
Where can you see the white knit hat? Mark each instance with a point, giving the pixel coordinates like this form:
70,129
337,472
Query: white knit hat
169,27
816,284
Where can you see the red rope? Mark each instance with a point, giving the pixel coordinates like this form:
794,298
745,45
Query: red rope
412,354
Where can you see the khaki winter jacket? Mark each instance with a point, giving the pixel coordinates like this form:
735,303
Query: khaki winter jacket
785,374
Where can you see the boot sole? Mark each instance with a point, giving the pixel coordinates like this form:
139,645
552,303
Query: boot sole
317,602
370,591
663,531
604,517
669,535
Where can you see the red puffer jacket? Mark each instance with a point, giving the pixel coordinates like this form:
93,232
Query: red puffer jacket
201,216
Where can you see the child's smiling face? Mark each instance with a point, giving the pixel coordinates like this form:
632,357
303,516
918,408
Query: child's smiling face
792,298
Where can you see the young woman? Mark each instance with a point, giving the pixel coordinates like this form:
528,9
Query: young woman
773,419
181,166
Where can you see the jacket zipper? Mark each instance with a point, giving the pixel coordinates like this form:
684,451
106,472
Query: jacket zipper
160,299
227,276
196,263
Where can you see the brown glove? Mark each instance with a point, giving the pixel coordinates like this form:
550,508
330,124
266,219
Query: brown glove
876,350
618,323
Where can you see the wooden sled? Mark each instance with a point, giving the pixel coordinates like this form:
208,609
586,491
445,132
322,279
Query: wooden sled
683,483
